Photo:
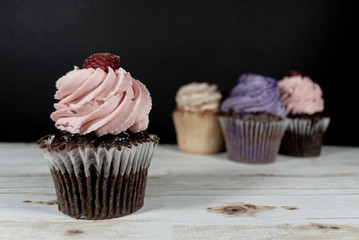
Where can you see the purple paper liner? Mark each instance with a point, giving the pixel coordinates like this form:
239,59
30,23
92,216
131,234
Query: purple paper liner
304,137
252,141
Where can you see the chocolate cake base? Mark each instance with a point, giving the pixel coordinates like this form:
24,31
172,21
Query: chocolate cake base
304,135
302,145
96,197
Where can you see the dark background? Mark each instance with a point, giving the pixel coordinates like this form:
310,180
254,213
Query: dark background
166,44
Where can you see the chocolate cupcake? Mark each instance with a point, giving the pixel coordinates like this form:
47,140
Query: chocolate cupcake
253,120
100,157
307,123
196,118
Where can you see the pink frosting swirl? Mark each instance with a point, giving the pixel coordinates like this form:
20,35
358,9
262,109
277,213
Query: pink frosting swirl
301,95
92,100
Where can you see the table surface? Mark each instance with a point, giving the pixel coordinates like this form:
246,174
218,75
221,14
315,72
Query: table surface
195,197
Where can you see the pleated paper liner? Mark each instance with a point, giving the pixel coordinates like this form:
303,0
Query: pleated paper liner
198,132
304,136
250,141
99,183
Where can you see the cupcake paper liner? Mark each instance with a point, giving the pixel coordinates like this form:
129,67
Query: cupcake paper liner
252,141
198,132
99,183
304,137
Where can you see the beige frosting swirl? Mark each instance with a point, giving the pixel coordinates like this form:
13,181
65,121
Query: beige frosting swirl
301,95
199,97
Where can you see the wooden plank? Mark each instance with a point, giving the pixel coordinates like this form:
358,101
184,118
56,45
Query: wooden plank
196,197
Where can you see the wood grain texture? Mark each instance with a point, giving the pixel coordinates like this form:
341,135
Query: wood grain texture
195,197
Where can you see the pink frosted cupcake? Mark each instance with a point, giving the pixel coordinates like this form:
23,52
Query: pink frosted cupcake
307,124
100,157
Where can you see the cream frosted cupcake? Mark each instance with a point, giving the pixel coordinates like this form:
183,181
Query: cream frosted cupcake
196,118
307,124
100,157
253,120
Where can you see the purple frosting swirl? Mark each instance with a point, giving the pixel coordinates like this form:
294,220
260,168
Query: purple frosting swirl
255,94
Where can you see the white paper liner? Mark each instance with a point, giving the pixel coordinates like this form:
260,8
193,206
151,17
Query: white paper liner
305,126
252,141
80,160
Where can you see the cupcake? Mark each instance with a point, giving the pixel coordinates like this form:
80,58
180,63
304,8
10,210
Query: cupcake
253,120
196,118
307,123
100,156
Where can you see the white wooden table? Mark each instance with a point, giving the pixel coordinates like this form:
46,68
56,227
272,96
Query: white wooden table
195,197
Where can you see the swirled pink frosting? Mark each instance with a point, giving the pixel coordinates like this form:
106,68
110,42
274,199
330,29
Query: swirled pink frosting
301,95
92,100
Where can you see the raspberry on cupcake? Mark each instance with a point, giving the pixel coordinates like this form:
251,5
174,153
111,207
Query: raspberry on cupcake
103,61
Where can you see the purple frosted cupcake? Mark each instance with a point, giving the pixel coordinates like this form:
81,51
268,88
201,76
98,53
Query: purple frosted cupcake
306,121
253,120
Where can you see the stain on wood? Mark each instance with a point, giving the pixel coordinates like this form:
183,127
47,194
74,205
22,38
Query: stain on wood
52,202
290,207
74,232
239,209
321,226
232,210
250,206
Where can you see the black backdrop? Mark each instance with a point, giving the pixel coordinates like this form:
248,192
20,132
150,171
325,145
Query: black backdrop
166,44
